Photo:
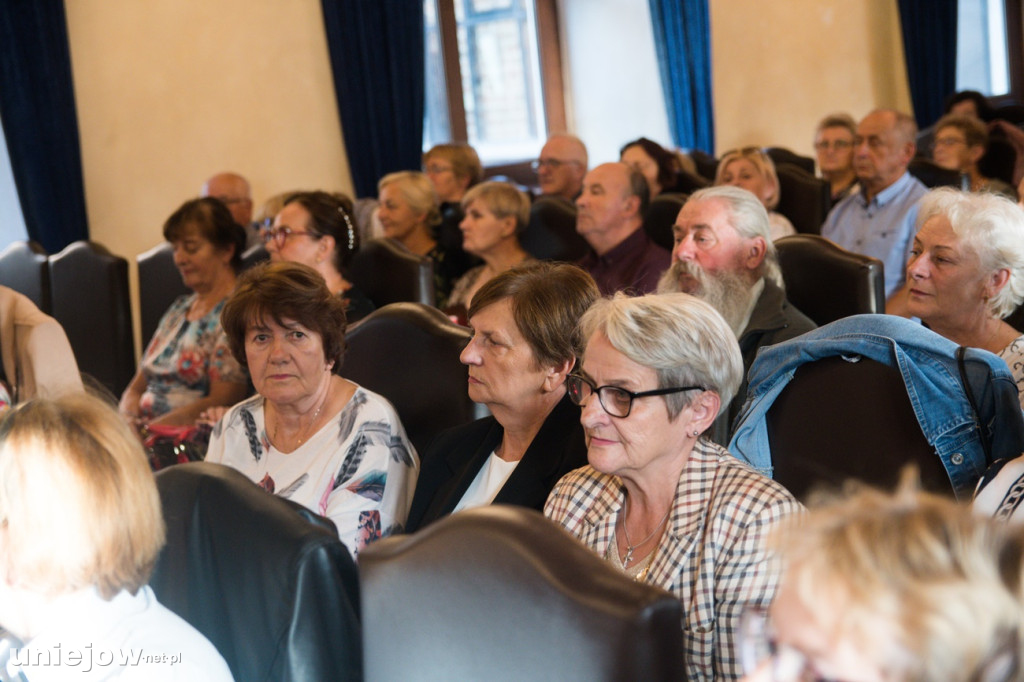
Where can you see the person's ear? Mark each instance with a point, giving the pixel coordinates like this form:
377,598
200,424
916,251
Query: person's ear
755,249
554,378
704,411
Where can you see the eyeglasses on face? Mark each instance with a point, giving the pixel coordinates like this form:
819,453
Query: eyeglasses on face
280,235
948,141
616,401
553,164
435,169
838,145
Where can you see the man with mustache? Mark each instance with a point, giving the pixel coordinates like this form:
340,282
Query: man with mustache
724,255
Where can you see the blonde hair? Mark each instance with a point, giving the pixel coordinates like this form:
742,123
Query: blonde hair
463,158
418,192
503,200
762,163
78,502
927,590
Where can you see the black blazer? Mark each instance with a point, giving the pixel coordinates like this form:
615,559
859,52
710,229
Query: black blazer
456,456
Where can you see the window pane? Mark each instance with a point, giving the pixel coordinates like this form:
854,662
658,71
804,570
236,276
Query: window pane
436,127
981,57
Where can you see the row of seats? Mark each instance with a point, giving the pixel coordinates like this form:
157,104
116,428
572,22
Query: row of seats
496,593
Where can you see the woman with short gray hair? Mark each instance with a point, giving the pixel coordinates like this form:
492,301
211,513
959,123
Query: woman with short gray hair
657,500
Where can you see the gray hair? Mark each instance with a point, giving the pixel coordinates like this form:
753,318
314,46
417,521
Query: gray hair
682,338
749,218
418,191
990,226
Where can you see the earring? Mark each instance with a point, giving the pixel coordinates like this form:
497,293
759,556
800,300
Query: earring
696,433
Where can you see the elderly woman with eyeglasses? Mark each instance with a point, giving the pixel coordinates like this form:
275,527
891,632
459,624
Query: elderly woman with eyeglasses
659,501
753,170
317,229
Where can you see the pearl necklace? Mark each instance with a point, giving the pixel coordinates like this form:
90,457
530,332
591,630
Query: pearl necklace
630,547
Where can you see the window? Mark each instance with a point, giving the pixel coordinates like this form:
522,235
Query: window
490,66
989,47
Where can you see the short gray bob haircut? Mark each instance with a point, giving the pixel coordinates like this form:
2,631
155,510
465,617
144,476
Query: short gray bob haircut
682,338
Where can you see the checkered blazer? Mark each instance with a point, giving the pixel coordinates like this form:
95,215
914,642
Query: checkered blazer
712,554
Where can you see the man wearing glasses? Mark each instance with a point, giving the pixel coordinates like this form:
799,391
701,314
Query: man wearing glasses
561,167
233,191
833,145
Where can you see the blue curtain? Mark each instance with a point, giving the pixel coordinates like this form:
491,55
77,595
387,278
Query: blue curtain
37,105
376,49
682,38
929,43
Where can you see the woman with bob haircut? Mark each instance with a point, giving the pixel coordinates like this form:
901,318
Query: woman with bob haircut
309,434
896,587
80,531
496,214
524,344
187,368
751,169
658,165
657,500
453,168
317,229
966,271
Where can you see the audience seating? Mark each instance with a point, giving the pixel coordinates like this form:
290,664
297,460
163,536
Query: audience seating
253,255
409,353
933,175
780,155
827,282
1016,318
24,268
688,183
159,285
501,593
803,198
707,164
387,273
661,216
999,161
89,288
265,580
551,233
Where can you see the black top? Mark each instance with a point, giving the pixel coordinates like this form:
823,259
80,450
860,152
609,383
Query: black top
456,456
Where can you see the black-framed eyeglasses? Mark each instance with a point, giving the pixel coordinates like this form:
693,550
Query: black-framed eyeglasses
279,235
616,401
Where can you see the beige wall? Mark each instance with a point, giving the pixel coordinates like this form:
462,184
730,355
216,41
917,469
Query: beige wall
779,67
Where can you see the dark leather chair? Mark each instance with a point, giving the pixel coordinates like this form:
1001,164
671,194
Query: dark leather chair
268,582
707,165
661,216
551,233
827,282
933,175
89,288
1016,318
782,155
999,161
24,268
387,273
803,198
159,284
688,183
409,353
254,255
501,593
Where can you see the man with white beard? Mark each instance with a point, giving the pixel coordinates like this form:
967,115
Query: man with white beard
724,255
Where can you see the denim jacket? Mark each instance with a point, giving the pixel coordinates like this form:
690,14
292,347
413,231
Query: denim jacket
927,362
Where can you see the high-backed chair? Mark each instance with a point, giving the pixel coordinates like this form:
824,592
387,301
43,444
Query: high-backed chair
267,582
387,273
933,175
551,233
867,395
661,216
409,353
159,284
501,593
803,198
89,287
827,282
782,155
253,255
24,268
707,165
688,183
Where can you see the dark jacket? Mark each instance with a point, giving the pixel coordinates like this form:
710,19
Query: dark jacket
456,456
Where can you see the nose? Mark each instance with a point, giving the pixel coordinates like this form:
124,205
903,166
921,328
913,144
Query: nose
591,412
683,251
917,267
464,225
861,148
470,355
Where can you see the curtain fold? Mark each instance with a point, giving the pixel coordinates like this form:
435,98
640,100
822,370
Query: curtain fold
929,44
377,59
37,106
682,39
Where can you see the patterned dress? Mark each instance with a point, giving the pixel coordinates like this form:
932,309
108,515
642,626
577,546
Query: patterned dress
184,358
713,554
1014,356
359,470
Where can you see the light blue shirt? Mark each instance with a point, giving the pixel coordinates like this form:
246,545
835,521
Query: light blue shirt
882,228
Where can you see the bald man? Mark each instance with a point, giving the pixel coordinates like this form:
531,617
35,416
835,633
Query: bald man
561,166
233,190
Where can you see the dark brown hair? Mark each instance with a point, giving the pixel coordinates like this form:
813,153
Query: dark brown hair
280,291
215,224
331,215
548,300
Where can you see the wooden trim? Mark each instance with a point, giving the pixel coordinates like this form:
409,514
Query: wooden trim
449,30
1015,48
549,47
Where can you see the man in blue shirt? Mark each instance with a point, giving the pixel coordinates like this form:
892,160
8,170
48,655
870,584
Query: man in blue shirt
879,220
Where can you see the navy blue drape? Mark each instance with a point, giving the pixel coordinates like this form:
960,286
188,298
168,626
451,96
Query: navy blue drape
929,43
376,49
37,106
682,38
